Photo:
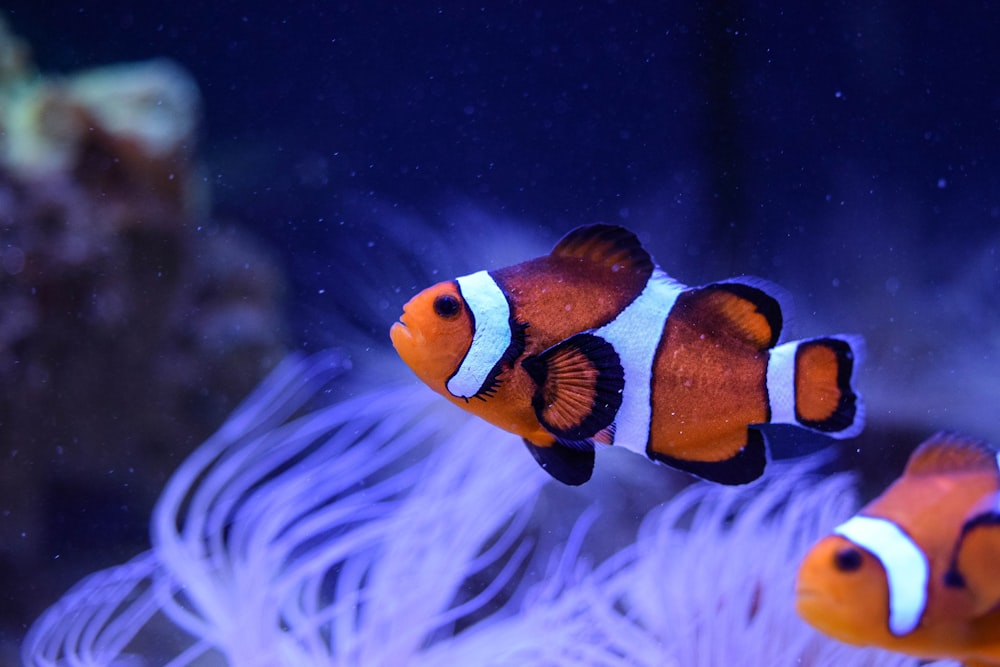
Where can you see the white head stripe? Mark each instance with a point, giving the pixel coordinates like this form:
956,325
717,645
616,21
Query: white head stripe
905,566
491,336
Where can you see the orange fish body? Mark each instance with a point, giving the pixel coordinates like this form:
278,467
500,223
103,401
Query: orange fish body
594,344
898,576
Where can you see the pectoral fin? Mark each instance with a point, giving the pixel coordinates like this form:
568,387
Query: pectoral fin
579,385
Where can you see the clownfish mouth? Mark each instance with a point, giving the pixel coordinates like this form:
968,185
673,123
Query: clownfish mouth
401,331
807,595
817,607
399,328
806,586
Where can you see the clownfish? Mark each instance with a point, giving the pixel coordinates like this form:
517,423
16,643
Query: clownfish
917,570
595,344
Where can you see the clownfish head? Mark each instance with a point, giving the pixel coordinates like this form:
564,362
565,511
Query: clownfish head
841,590
458,337
434,334
864,585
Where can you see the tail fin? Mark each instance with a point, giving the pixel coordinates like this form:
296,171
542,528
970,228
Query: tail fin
809,385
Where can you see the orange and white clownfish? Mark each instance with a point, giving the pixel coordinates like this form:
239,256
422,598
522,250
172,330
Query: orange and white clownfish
916,570
595,344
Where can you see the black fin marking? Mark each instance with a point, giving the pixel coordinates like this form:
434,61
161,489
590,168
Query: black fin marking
607,245
742,468
953,577
973,564
572,465
749,300
845,413
579,385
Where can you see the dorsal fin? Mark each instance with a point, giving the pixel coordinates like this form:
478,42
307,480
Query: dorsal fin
946,452
743,311
607,245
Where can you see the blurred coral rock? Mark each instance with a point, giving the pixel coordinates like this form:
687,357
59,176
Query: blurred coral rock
135,122
130,321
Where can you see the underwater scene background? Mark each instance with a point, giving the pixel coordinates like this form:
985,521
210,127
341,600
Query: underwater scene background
188,194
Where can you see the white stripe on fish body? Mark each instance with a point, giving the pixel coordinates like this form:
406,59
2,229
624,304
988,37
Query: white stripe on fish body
490,338
636,335
905,565
781,383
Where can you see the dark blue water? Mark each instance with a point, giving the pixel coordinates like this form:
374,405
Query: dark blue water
748,119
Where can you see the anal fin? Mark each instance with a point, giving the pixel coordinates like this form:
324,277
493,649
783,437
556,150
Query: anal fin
572,465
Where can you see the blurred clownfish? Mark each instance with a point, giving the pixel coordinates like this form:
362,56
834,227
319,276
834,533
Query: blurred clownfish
918,569
594,344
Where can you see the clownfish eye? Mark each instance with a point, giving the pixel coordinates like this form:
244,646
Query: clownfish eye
847,559
447,306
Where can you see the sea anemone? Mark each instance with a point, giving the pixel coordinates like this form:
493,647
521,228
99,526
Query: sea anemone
390,528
